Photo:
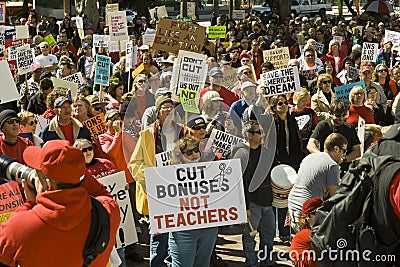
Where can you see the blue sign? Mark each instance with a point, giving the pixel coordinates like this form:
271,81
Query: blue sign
342,92
102,72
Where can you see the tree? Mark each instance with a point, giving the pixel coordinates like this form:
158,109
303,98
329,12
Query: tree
88,7
283,6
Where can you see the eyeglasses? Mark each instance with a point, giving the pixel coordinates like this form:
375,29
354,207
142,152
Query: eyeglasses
246,60
198,127
31,123
11,121
310,55
343,149
87,149
283,103
191,151
326,82
254,132
372,92
382,70
247,72
46,46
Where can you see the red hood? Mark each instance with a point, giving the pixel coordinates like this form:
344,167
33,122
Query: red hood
63,209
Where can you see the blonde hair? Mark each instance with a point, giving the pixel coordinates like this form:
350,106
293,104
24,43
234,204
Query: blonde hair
88,106
302,94
332,42
321,77
81,142
24,116
354,91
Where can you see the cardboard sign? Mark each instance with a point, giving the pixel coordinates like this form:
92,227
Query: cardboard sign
117,25
115,184
22,31
173,36
101,40
320,48
369,52
351,72
75,78
281,81
111,8
9,90
279,57
238,14
302,121
50,40
342,92
25,59
394,37
115,47
66,85
189,100
10,199
102,71
3,12
158,12
148,38
230,76
96,126
216,32
80,27
163,158
194,196
221,142
309,74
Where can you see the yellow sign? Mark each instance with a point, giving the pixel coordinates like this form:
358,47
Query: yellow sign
216,32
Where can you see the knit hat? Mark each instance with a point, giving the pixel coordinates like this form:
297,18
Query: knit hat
311,205
5,115
160,101
58,160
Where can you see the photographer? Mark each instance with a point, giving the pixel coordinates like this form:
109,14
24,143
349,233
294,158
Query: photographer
57,211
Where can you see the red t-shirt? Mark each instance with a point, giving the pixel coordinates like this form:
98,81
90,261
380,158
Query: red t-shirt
360,111
68,133
15,151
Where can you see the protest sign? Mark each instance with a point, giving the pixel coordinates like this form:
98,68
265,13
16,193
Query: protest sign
9,90
361,133
41,123
101,40
194,196
80,27
118,27
230,76
111,8
173,36
163,158
221,142
114,47
22,31
2,12
309,74
66,85
338,38
148,38
342,92
25,59
102,70
352,72
279,57
238,14
49,39
158,12
129,48
96,126
394,37
12,52
115,184
75,78
320,48
138,70
11,38
216,32
369,52
281,81
189,100
10,199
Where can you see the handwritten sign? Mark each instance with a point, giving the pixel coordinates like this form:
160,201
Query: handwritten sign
195,196
75,78
101,40
172,36
25,59
394,37
158,12
10,200
230,76
216,32
369,52
352,72
342,92
117,25
281,81
221,142
102,71
279,57
111,8
115,184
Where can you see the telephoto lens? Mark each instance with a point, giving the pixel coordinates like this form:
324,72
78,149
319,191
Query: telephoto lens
12,170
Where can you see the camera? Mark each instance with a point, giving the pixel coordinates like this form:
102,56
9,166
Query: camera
12,170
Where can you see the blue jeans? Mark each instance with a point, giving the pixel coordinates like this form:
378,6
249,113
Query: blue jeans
192,248
158,249
262,218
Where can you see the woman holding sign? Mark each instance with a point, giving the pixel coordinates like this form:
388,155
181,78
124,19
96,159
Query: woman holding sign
191,247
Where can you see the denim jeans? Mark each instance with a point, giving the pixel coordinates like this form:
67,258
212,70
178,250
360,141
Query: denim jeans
262,218
158,250
284,231
192,248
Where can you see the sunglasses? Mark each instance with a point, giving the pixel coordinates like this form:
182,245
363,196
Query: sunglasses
326,82
382,70
141,81
247,72
191,151
310,55
198,127
31,123
283,103
87,149
254,132
11,121
46,46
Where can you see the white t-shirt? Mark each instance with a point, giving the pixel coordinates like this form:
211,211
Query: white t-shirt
46,60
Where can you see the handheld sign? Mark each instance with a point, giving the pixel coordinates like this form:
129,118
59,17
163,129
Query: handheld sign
148,38
11,38
25,59
281,81
50,40
361,133
163,158
238,14
195,196
230,76
75,78
80,27
2,12
67,85
10,200
320,48
342,92
352,71
114,47
9,90
158,12
216,32
41,123
279,57
129,55
221,142
369,52
394,37
118,27
22,31
96,126
189,100
115,184
191,9
101,40
111,8
173,36
102,71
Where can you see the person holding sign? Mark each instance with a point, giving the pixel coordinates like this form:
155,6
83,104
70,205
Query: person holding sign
191,248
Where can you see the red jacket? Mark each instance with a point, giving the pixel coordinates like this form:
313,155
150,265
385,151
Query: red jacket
329,57
300,243
54,231
360,111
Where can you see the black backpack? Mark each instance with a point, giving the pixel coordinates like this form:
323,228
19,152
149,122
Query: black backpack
359,216
99,233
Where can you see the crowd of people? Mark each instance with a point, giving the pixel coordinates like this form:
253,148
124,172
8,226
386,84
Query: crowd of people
315,132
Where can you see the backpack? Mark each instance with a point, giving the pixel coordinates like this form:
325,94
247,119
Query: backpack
99,233
359,216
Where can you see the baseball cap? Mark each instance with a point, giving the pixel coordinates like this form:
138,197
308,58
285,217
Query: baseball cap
365,68
246,85
36,67
60,101
5,115
212,95
58,160
110,113
311,205
242,68
162,91
196,121
215,71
